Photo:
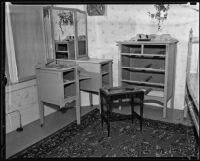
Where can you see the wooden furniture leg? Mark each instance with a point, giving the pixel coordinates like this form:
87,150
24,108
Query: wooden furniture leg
78,109
165,108
132,109
100,104
78,99
141,113
90,98
101,107
108,117
41,107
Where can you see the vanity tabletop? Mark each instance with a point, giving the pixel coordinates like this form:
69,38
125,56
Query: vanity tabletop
95,60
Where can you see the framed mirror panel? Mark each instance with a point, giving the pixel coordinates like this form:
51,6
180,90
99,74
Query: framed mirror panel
82,34
65,33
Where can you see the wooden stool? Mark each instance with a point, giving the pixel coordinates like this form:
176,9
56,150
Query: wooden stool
108,95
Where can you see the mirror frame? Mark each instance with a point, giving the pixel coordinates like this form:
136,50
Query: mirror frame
76,34
74,11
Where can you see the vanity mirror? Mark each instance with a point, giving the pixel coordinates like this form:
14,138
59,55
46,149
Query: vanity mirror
65,33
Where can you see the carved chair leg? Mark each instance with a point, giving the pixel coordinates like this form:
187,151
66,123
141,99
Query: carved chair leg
132,109
141,113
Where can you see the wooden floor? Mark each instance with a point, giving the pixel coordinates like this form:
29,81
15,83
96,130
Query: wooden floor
32,133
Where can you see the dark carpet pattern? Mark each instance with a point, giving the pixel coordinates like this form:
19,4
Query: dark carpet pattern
158,139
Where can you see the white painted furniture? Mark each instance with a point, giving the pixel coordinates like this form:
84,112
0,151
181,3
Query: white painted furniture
150,65
68,41
58,84
100,72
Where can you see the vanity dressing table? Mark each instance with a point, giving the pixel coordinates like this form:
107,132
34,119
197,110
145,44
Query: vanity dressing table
65,31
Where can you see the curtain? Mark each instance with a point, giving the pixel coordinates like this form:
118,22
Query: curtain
11,66
28,39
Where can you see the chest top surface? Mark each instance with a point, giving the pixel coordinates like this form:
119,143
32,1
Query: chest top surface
152,42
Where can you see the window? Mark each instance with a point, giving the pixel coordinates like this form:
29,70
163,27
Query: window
25,45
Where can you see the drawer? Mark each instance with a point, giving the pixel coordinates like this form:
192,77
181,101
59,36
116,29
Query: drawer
61,47
131,49
154,49
147,77
137,86
69,90
139,62
105,67
69,75
106,80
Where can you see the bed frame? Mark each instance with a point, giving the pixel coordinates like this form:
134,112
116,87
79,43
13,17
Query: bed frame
192,87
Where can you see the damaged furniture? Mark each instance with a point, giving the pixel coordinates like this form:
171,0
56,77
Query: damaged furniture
150,64
58,84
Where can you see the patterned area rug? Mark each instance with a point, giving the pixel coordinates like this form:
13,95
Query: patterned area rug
158,139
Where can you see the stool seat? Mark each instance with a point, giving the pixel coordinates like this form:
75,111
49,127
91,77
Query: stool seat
109,95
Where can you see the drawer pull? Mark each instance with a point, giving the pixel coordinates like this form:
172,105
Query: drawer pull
148,66
142,84
138,56
147,91
148,78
